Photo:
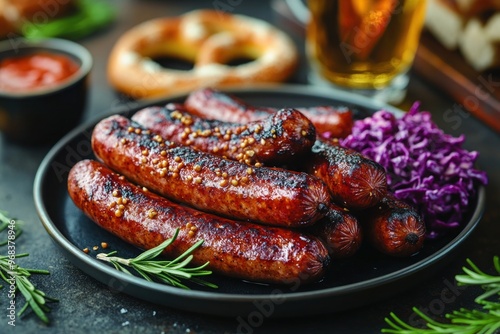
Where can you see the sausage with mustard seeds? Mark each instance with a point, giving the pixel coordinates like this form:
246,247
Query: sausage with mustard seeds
330,121
244,250
274,140
272,196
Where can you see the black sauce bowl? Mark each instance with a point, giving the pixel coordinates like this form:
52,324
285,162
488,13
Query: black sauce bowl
44,115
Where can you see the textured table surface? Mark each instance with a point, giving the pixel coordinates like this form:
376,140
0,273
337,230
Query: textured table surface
87,306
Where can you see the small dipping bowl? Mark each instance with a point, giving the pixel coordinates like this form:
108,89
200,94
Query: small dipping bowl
44,114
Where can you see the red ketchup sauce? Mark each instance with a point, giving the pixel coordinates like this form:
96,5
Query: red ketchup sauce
35,71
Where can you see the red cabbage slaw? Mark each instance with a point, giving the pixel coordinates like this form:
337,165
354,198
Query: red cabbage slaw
425,167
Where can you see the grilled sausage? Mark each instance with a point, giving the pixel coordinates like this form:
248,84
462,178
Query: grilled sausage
278,138
394,227
330,121
244,250
210,183
340,231
214,104
355,182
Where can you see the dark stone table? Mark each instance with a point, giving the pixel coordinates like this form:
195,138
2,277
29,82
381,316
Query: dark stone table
87,306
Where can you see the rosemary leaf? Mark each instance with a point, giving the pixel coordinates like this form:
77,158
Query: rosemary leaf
485,320
156,251
20,283
11,272
152,269
5,223
4,217
144,275
188,252
205,283
184,263
172,272
496,263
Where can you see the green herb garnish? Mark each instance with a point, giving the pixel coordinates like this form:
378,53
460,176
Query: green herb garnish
169,272
462,321
12,225
17,277
90,16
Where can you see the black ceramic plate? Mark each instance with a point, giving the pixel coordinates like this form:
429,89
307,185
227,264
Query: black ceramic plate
366,278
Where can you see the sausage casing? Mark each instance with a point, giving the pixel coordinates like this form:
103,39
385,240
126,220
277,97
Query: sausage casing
330,121
394,227
355,182
272,196
340,231
144,219
214,104
274,140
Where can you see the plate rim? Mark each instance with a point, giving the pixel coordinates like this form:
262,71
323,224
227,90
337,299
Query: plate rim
77,254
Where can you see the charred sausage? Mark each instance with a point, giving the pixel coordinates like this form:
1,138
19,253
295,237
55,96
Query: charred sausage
144,219
340,231
214,104
394,227
355,182
210,183
330,121
274,140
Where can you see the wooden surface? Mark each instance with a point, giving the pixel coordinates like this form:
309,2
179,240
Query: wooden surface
474,92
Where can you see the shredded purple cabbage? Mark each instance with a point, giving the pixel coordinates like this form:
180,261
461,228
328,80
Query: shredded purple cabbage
425,167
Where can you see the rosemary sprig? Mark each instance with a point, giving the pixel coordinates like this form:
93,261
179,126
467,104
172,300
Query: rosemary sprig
166,271
6,222
37,300
462,321
18,277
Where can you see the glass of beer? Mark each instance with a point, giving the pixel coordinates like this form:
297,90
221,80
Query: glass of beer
364,46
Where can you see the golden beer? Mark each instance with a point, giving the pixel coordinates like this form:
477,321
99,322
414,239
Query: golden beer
363,44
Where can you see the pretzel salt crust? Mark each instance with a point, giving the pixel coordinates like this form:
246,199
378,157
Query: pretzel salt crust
209,39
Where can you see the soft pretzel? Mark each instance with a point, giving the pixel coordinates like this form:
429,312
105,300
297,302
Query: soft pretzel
207,38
